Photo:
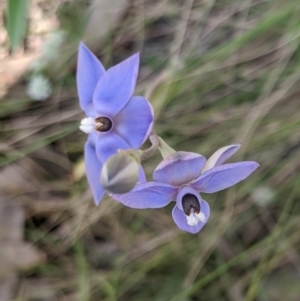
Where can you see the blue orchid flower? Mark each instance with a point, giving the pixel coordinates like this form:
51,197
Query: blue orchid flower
114,118
181,177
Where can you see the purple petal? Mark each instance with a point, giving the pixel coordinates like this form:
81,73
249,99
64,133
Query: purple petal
116,87
92,138
224,176
108,145
93,169
89,71
181,221
135,121
147,195
142,176
179,168
220,156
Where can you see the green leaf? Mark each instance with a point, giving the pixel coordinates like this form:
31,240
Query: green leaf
16,21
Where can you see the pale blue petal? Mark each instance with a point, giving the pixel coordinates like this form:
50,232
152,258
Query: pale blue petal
147,195
108,144
135,121
92,138
181,221
89,71
93,169
220,156
116,87
224,176
179,168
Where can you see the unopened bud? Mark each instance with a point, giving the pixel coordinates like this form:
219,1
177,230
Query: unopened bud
119,174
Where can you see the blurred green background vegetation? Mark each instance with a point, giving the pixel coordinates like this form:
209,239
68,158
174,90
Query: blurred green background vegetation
216,72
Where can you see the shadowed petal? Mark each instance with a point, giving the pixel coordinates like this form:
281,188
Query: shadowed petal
220,156
93,169
89,71
147,195
179,168
116,87
181,220
224,176
108,145
135,121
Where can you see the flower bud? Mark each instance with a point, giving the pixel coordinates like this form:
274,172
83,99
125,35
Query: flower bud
119,173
